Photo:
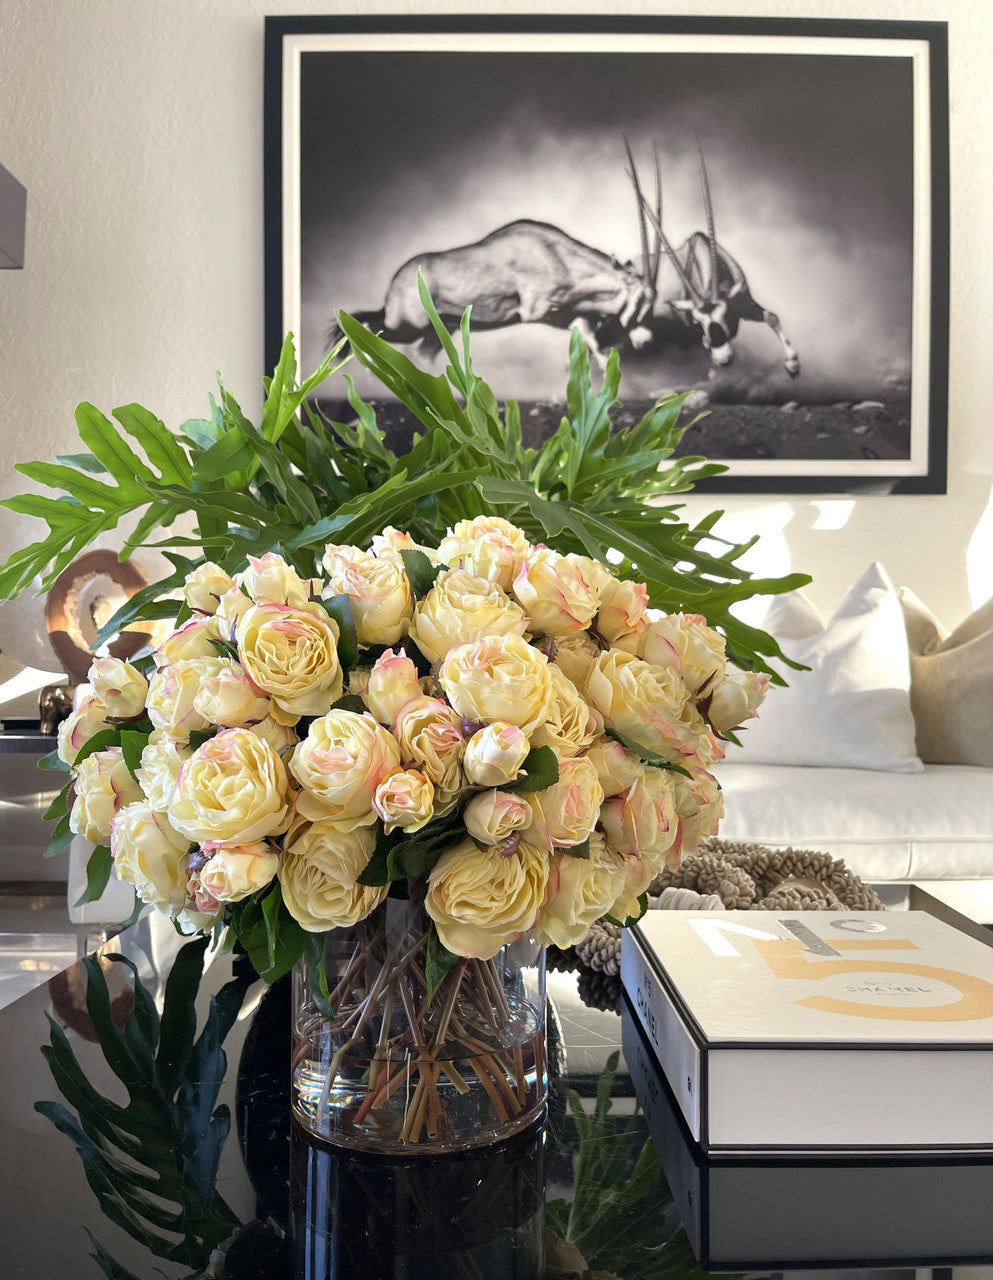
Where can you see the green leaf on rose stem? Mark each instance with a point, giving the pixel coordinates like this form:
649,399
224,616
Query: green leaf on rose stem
61,838
340,608
420,571
579,850
350,702
541,770
376,873
133,744
285,937
316,953
227,649
60,805
53,763
626,924
647,755
97,875
99,742
197,738
439,960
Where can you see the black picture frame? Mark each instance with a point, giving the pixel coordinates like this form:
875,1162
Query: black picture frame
859,184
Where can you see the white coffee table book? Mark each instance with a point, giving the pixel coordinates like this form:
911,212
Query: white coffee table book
818,1029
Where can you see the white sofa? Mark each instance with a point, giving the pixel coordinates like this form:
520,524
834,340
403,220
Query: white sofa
888,689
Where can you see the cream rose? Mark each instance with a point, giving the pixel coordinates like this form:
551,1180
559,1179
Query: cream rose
555,592
430,737
232,789
228,698
580,891
616,767
340,763
480,900
493,816
684,641
570,725
172,694
495,754
393,681
699,809
487,547
319,876
103,786
152,856
382,601
565,813
205,586
292,655
161,760
233,871
89,719
279,736
461,608
389,544
194,639
498,677
120,686
405,799
270,580
642,820
575,655
736,699
622,615
648,704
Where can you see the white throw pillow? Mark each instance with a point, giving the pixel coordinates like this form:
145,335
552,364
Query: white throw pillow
852,709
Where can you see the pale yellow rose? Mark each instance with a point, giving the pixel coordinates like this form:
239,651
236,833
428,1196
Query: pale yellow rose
405,799
571,724
460,609
622,615
233,789
580,891
152,856
639,872
393,681
228,698
565,813
382,601
642,820
270,580
358,681
337,554
699,809
595,573
279,736
495,754
75,731
575,655
319,875
103,785
340,763
493,816
555,592
431,738
388,545
233,871
194,639
292,655
232,606
161,760
205,586
480,900
172,695
120,686
616,767
487,547
649,705
736,699
498,677
684,641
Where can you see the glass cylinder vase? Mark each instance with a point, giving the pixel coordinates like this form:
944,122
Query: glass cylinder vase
393,1067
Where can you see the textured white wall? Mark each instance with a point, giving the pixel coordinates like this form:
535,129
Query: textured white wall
136,126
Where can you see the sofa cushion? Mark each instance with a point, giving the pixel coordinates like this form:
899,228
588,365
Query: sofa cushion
934,825
852,708
951,684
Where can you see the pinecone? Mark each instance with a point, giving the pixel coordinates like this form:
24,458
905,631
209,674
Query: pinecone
601,948
600,990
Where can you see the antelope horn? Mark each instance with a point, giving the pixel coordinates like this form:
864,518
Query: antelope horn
650,281
670,253
711,237
657,251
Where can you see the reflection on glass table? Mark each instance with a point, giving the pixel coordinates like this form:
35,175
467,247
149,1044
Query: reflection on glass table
173,1089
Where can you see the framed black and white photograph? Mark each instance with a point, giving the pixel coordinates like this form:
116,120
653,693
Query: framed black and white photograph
754,212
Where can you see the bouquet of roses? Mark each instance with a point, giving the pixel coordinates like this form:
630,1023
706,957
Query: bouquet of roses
503,729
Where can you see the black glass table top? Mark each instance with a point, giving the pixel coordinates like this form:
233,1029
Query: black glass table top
196,1169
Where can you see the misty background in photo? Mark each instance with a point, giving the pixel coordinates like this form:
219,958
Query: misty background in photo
810,165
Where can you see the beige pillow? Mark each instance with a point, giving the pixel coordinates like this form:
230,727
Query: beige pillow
951,684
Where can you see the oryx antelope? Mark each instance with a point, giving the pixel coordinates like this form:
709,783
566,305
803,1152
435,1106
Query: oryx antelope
523,273
706,289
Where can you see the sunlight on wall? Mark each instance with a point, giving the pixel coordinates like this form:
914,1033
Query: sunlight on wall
979,558
833,513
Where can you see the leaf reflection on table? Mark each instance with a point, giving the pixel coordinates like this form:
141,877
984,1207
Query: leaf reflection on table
153,1163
